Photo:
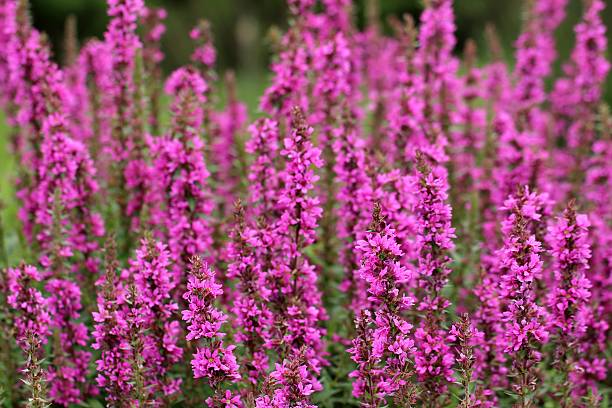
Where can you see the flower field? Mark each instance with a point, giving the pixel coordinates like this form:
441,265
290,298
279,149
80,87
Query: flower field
399,223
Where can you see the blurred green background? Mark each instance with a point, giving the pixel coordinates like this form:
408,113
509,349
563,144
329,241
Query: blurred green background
240,26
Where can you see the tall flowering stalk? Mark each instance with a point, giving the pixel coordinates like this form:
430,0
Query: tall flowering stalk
94,77
290,69
471,138
31,319
405,116
250,308
57,212
111,334
436,64
152,55
181,174
576,94
295,296
262,176
569,301
467,154
57,161
204,58
524,321
535,55
433,358
498,94
355,200
125,150
70,365
468,338
228,124
66,178
383,346
331,63
154,284
295,300
213,360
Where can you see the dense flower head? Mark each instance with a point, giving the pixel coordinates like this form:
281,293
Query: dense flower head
66,178
67,376
355,198
154,286
299,178
31,315
384,345
262,177
95,65
536,51
292,386
570,248
434,233
435,61
213,360
295,296
520,260
180,173
122,29
204,320
111,334
227,127
250,307
204,54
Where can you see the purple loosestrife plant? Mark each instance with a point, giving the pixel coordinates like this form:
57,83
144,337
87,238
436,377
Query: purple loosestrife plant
289,385
436,64
296,334
290,69
383,347
433,358
468,338
213,360
30,308
576,94
295,297
111,334
95,77
263,176
31,319
63,225
250,308
404,116
569,301
228,125
154,283
126,153
524,320
182,200
355,202
331,66
70,365
152,56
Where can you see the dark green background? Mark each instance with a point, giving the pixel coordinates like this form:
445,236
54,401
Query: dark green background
240,26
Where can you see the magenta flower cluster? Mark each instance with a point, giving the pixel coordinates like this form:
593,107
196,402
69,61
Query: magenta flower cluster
403,224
